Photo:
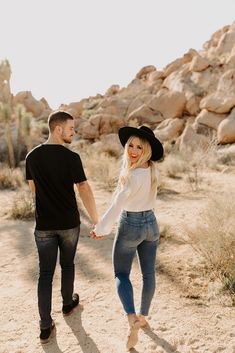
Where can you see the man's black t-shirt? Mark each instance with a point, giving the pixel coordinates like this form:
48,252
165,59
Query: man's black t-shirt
54,170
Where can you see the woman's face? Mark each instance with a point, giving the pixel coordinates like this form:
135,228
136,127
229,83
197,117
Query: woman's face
134,150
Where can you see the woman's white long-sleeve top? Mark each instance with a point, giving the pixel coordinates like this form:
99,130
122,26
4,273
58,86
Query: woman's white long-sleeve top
135,196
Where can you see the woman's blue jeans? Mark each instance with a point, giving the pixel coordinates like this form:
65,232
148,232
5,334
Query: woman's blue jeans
137,232
48,242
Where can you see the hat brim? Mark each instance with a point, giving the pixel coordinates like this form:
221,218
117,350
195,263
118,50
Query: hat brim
126,132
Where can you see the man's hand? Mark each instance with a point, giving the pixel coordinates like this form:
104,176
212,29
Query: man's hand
95,236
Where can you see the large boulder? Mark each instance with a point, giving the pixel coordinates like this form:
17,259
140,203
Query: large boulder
31,104
113,105
169,129
193,104
191,140
110,123
223,100
75,109
100,124
226,42
145,71
199,63
169,104
155,76
181,81
210,119
110,143
144,114
86,130
138,101
206,81
215,38
178,63
226,129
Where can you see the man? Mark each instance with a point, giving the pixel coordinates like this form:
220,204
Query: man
52,170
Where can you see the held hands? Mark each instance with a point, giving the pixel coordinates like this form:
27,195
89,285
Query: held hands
96,236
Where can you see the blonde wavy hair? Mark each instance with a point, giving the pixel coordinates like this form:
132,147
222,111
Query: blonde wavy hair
145,157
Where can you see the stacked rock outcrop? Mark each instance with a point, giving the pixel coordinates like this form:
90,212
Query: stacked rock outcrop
190,102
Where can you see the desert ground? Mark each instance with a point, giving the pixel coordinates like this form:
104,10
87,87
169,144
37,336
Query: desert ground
189,314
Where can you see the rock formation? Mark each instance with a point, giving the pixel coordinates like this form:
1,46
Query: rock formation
189,102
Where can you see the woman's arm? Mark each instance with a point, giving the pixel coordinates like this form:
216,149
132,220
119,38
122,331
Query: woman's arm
107,221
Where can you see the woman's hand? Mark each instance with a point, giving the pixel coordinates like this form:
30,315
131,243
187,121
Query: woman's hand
96,236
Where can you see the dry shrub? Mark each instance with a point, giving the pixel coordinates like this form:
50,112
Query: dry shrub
165,232
103,168
173,165
11,178
190,164
213,237
22,206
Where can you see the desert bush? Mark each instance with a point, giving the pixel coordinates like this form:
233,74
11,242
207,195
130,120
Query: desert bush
165,232
213,237
226,155
190,164
11,178
22,206
104,169
173,165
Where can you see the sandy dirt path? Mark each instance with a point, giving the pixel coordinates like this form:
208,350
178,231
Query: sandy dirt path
184,317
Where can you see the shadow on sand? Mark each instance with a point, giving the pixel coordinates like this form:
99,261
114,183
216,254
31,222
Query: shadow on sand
160,341
52,346
84,340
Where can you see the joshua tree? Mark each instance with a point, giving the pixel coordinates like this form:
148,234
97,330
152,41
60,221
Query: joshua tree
23,125
5,117
27,129
18,110
6,108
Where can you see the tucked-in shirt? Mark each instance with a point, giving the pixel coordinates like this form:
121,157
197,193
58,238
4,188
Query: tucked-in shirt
135,196
55,169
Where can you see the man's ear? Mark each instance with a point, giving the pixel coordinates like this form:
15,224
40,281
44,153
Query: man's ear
58,129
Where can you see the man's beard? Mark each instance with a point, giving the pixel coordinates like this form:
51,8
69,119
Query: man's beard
66,140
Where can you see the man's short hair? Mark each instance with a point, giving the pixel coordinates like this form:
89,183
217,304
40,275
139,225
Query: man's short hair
57,118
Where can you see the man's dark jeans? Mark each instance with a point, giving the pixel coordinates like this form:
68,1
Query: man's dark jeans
48,242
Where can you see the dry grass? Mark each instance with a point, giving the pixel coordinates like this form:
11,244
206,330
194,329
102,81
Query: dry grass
103,169
11,178
213,238
165,232
190,165
173,165
22,206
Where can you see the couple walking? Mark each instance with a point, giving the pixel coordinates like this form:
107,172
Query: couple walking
52,170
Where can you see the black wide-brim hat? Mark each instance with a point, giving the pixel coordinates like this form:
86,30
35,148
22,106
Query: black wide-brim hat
146,133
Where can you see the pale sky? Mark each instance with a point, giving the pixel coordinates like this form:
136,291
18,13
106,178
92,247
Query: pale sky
66,50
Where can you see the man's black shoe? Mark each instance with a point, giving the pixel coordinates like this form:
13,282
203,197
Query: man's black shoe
67,309
46,333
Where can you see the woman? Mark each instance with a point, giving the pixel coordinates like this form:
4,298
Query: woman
138,230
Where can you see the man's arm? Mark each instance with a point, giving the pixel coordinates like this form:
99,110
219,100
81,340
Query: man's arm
32,186
88,200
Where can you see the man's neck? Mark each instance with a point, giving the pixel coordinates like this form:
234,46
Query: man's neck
54,140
